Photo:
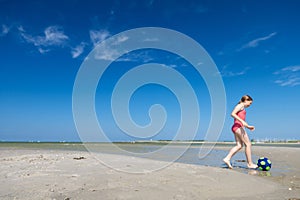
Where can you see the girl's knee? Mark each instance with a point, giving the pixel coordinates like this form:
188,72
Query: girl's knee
239,146
248,144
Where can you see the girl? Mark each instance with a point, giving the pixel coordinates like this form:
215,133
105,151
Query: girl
240,134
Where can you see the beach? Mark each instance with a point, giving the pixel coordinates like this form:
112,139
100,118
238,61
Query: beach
37,173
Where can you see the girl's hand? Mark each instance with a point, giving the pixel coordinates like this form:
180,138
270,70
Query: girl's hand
251,128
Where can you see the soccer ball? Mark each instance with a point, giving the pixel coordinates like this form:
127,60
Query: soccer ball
264,164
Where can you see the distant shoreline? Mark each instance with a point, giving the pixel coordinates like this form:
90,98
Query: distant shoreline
294,143
161,141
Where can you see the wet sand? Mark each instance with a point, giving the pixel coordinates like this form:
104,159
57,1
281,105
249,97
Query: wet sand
60,174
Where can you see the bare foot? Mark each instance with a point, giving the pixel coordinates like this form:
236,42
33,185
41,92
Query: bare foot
227,162
252,166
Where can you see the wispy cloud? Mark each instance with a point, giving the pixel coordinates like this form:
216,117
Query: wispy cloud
113,54
288,76
97,36
255,42
78,50
120,39
141,57
225,72
106,51
4,30
292,68
53,36
43,50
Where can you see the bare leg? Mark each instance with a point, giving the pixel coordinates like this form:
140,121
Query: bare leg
248,145
233,150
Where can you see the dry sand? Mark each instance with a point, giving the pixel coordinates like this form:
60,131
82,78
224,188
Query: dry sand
55,174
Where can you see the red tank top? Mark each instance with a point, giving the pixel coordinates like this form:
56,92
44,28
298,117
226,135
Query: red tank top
242,115
237,124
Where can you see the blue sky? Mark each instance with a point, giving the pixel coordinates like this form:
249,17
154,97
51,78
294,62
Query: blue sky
254,44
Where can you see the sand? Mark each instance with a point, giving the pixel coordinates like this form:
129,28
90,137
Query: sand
58,174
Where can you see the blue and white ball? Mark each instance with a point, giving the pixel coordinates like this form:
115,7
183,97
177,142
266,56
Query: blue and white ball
264,164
